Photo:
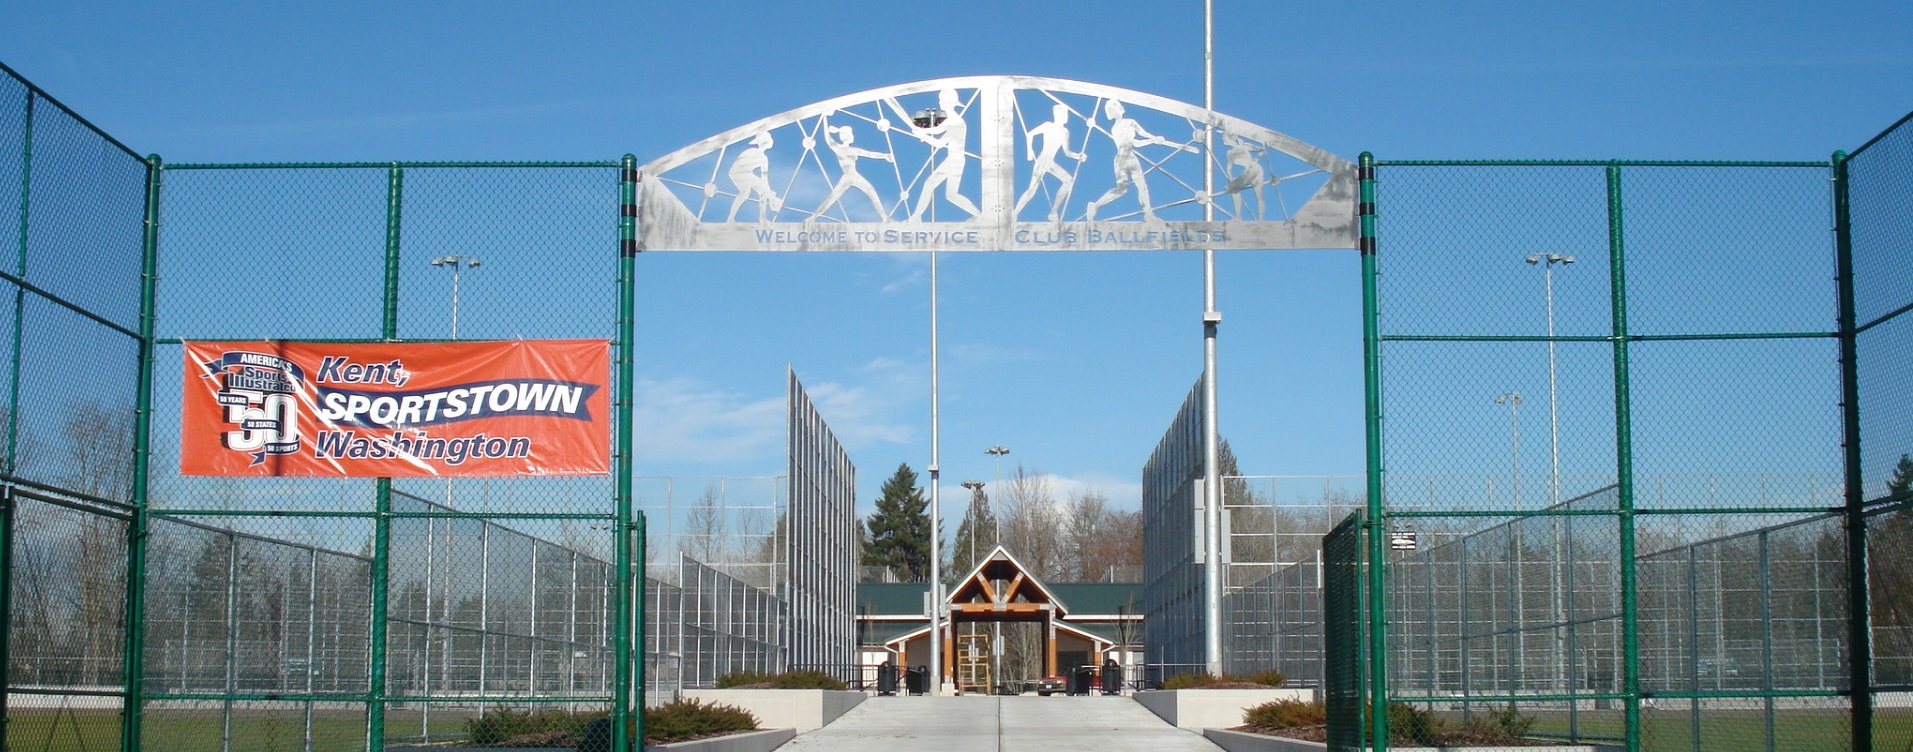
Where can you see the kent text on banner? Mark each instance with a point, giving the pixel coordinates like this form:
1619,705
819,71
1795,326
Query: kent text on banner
396,410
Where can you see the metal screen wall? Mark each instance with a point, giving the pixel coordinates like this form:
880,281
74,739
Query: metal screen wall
820,541
1607,398
1172,577
1272,611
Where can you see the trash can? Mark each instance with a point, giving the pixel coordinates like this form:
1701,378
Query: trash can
1112,677
917,680
1079,680
887,679
597,736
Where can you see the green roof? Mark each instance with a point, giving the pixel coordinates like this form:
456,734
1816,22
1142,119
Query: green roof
891,598
906,598
1100,597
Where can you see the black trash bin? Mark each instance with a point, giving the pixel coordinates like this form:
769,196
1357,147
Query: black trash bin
887,679
597,736
1112,677
917,680
1080,679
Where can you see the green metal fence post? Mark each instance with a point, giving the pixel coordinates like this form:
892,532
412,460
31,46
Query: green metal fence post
19,308
628,590
13,427
1377,524
382,491
136,528
1859,610
1624,460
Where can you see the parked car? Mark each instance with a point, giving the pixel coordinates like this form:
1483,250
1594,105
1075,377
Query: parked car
1050,685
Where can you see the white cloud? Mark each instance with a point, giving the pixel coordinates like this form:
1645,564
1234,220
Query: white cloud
683,420
1122,493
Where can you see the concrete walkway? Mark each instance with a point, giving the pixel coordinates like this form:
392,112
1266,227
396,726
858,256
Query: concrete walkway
1003,724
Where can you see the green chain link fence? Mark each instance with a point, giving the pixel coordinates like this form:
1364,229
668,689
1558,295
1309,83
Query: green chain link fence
1608,493
149,610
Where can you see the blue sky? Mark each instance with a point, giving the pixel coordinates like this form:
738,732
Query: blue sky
1077,362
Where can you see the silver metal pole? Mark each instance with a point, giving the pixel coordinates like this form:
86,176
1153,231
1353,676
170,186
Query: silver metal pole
996,627
484,601
1554,413
936,508
312,635
1211,439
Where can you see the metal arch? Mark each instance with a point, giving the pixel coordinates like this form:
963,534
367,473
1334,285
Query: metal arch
1327,219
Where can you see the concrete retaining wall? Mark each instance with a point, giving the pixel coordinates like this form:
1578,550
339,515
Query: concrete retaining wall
800,709
756,741
1197,709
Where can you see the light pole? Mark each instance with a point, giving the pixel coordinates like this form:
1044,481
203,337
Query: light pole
456,263
1211,319
1513,400
1547,261
1556,577
996,480
996,452
936,506
974,486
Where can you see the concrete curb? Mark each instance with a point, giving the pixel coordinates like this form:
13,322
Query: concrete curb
751,741
755,741
1243,741
800,709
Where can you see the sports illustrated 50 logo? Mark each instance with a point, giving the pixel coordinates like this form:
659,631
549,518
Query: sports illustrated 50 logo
258,395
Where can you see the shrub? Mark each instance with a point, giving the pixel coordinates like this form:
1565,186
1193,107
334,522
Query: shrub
803,679
1497,726
1187,681
1204,680
1283,714
686,719
1408,724
806,679
742,679
1266,678
501,723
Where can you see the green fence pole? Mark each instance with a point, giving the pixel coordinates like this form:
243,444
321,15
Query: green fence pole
1376,523
13,426
136,528
19,310
1624,461
1859,615
628,590
382,491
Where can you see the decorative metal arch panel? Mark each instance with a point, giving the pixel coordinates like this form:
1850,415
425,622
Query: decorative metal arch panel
988,163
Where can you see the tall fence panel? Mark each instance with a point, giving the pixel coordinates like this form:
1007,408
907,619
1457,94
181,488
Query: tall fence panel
1586,372
353,613
1878,230
70,348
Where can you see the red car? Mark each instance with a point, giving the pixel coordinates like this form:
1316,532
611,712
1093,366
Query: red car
1051,685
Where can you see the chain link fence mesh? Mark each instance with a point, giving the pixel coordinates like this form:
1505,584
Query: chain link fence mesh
1879,188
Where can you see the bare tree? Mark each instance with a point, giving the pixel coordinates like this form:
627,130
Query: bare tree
1031,521
705,528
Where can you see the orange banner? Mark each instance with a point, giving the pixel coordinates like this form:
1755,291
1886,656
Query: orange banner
396,410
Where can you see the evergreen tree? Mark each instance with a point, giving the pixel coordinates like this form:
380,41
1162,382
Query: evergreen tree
900,529
1902,481
976,533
